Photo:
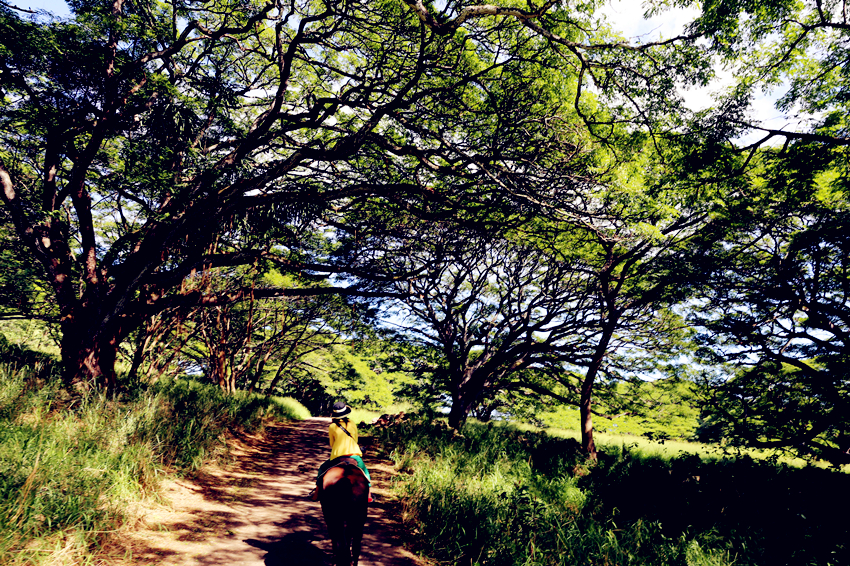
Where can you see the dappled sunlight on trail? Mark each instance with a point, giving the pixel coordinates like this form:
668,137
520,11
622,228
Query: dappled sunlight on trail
255,512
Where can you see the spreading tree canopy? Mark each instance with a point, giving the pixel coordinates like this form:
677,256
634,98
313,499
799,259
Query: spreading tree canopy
796,50
773,302
145,142
776,308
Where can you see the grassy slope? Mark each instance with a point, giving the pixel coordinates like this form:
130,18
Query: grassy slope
69,466
660,409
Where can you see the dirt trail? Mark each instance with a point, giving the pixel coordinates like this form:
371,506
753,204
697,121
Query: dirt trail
254,512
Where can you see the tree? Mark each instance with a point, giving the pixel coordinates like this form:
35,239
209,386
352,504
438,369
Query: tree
257,343
640,234
490,306
777,309
252,344
584,301
611,240
771,254
801,48
146,141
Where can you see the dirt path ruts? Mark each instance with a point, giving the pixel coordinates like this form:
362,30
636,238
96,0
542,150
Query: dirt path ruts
254,512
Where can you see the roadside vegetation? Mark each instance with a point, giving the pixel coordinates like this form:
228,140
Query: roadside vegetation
499,495
71,466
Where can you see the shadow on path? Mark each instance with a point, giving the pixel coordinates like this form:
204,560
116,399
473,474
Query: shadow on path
278,524
255,511
295,549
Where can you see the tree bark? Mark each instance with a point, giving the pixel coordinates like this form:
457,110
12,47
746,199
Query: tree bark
88,354
585,410
586,399
464,395
457,414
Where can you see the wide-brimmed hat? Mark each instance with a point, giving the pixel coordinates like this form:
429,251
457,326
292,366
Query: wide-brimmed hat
341,409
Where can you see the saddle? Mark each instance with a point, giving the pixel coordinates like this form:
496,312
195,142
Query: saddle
342,462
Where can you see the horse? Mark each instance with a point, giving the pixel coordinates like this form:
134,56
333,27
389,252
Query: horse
344,498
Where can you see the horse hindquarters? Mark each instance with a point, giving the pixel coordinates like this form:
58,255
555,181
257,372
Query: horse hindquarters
334,510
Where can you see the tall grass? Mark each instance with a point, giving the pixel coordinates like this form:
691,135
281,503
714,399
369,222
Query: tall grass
185,421
70,466
497,495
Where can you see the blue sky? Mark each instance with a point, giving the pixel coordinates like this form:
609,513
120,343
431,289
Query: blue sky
57,7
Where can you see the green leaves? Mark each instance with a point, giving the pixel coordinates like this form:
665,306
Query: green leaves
777,306
799,47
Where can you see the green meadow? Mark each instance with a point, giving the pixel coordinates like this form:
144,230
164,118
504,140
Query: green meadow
500,494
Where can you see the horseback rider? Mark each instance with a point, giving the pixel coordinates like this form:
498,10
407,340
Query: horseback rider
343,438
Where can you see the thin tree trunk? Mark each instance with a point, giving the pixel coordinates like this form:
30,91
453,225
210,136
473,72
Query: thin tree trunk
586,400
587,443
258,371
148,333
277,376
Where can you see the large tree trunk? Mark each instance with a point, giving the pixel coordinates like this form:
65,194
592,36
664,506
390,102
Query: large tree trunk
88,355
464,394
469,389
458,413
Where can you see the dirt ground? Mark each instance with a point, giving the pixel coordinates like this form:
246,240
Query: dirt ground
254,510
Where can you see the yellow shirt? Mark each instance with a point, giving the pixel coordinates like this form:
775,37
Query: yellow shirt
341,443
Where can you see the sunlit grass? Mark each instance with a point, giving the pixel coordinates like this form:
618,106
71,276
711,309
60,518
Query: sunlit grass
503,494
498,495
361,415
289,408
31,334
65,475
675,448
70,467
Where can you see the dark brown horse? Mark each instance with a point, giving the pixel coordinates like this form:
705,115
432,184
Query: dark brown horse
344,496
